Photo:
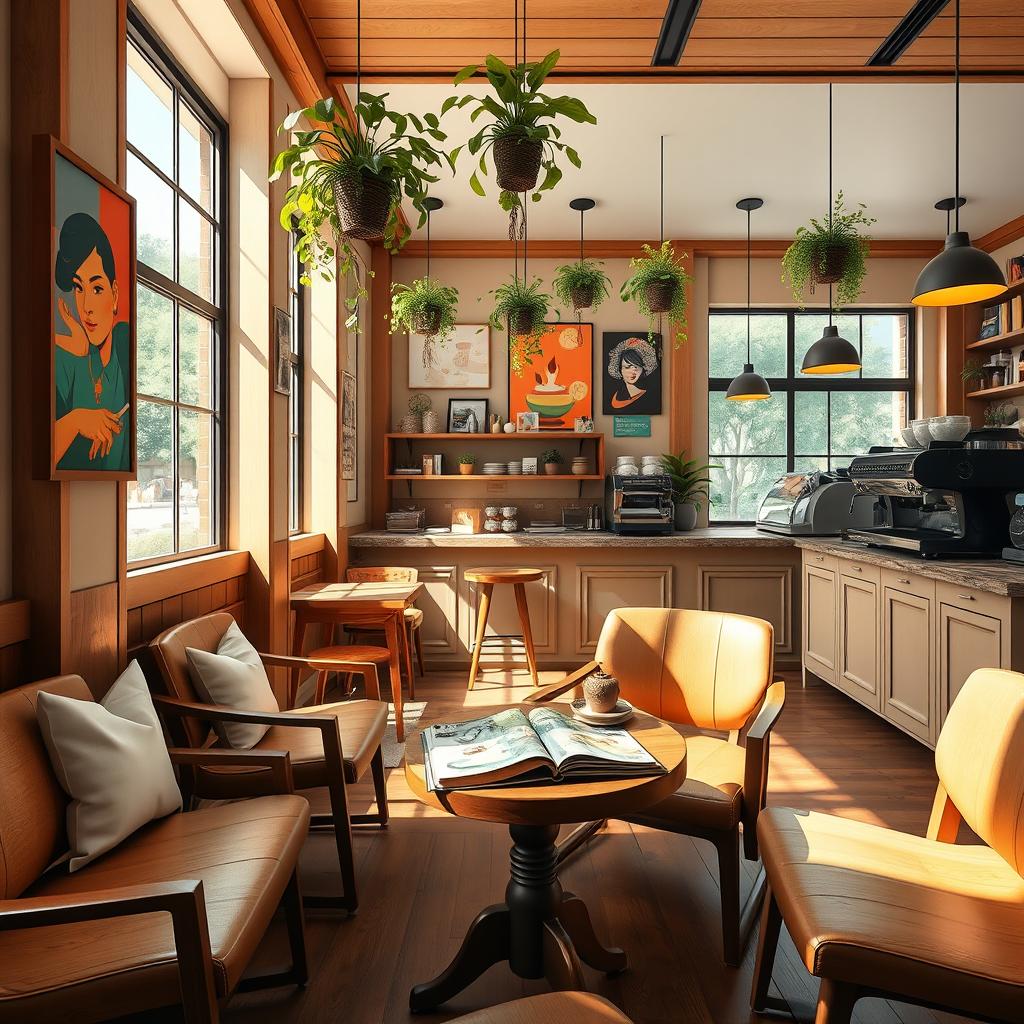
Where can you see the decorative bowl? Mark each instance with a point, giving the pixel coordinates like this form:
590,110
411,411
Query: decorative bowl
907,433
553,405
921,432
949,428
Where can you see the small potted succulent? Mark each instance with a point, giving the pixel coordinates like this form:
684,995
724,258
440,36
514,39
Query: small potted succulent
467,463
690,482
552,459
581,285
657,284
830,252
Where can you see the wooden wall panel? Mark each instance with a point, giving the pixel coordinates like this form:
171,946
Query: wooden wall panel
440,604
765,592
93,638
602,588
14,634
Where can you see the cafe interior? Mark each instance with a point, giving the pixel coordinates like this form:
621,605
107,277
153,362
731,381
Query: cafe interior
512,512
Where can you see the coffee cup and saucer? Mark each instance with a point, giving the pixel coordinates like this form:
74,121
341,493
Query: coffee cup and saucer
601,703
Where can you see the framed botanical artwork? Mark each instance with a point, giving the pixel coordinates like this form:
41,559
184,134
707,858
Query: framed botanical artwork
631,374
283,350
467,415
462,362
84,249
349,429
553,376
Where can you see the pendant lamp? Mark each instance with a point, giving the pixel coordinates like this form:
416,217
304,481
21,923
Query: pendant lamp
960,273
748,386
831,353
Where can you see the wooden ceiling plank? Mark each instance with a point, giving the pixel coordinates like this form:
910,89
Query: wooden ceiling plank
489,28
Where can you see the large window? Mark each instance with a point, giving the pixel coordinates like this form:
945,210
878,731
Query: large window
175,164
296,452
811,422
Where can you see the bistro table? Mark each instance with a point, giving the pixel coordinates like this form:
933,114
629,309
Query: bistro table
541,930
371,604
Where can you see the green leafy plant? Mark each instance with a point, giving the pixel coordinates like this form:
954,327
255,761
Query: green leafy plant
467,459
522,310
552,456
973,372
657,284
1001,414
581,285
520,130
352,177
690,480
424,307
830,252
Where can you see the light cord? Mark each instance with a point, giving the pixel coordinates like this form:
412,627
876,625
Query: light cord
748,285
956,128
661,225
830,191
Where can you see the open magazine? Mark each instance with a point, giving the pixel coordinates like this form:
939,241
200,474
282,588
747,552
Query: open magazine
513,748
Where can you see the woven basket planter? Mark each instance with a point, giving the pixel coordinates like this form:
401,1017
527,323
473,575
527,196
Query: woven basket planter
517,162
520,323
660,295
831,267
582,296
363,205
428,322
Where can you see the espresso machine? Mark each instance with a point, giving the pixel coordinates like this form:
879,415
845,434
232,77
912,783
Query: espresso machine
639,505
949,500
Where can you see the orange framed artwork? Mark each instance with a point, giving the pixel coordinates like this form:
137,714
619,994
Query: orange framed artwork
553,375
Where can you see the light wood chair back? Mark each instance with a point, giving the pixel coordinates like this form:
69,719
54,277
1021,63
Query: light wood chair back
382,574
701,668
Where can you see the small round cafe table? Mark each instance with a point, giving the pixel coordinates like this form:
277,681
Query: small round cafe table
540,930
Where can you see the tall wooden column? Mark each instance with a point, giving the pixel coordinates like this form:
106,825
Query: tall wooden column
379,333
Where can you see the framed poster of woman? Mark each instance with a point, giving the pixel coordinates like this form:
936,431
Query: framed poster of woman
631,374
85,254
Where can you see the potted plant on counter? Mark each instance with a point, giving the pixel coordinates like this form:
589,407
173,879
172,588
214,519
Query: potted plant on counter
690,483
552,459
467,463
830,252
581,285
657,284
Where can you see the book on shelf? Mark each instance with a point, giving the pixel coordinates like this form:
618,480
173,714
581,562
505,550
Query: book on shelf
516,748
991,322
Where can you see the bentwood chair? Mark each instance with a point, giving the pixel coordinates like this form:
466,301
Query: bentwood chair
875,912
329,745
706,672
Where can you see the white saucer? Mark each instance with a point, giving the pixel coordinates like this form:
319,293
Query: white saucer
622,713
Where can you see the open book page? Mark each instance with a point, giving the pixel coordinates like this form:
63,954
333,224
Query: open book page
483,749
570,741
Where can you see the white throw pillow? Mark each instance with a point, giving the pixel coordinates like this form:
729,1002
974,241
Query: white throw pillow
236,678
110,758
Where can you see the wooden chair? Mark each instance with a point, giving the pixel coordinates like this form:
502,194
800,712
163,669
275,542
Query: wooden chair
129,933
413,616
875,912
701,671
329,745
550,1008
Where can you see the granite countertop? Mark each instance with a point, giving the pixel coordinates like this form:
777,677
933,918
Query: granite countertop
991,575
709,537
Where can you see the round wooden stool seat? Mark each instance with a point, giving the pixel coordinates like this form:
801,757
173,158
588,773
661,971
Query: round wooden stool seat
354,654
503,574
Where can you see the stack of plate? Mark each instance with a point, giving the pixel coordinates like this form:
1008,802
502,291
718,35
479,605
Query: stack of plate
496,469
515,469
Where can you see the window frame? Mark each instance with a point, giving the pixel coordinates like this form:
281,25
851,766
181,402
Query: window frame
808,382
297,395
154,51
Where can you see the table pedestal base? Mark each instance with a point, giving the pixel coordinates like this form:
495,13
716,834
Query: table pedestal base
540,930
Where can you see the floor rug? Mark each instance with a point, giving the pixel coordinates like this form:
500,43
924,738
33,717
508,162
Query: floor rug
394,751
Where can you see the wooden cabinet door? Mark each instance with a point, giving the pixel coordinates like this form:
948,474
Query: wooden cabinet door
819,616
967,640
858,670
908,660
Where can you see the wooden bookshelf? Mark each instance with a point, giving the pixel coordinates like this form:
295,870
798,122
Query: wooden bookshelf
998,341
994,394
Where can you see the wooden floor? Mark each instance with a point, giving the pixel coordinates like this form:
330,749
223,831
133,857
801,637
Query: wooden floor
655,895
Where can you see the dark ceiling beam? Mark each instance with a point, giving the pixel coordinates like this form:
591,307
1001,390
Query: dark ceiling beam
675,31
913,23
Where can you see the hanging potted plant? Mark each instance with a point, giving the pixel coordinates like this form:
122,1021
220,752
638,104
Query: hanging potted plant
830,252
352,178
425,307
522,310
521,133
689,486
657,284
581,285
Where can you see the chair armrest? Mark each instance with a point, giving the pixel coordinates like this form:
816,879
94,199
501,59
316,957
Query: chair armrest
275,762
313,664
569,682
755,771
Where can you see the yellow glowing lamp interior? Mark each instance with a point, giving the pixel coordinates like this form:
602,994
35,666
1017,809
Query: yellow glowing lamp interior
747,398
832,368
959,295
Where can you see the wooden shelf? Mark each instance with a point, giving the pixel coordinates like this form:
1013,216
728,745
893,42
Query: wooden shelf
1006,391
998,341
477,477
531,435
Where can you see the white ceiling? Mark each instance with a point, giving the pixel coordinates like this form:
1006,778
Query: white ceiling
893,151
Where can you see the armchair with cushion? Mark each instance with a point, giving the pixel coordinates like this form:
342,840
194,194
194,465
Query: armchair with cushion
875,912
170,916
329,745
705,672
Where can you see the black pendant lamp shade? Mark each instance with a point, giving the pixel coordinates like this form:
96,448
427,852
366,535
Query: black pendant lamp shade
748,386
831,353
960,273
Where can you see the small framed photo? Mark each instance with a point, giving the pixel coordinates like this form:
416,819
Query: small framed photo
529,466
527,422
467,415
583,425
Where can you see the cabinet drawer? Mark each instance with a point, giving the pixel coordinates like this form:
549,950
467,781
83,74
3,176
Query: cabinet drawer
908,583
979,601
816,558
859,570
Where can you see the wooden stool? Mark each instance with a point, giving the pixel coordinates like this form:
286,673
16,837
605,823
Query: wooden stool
360,658
486,578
